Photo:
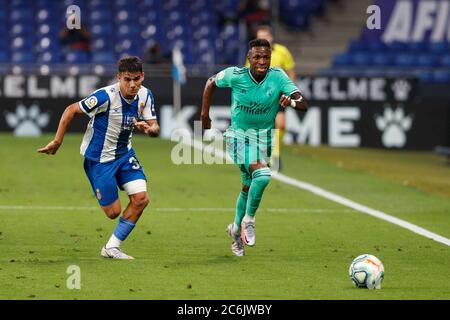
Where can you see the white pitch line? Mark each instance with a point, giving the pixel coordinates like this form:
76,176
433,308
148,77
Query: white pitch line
81,208
344,201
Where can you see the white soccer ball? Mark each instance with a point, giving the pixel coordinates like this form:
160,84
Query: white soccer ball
366,271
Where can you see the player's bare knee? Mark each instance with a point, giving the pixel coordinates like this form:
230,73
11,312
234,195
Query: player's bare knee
140,201
112,213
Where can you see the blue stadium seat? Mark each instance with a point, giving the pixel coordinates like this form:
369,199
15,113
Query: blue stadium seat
103,57
357,46
101,44
445,60
405,60
45,15
298,21
49,57
426,76
3,56
100,16
80,3
3,14
383,59
101,30
77,57
20,44
376,46
19,4
342,59
47,30
23,57
427,60
151,4
316,7
362,59
419,46
21,15
441,76
397,46
438,47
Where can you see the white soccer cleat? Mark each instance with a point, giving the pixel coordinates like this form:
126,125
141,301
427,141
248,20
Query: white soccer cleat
115,253
248,233
237,246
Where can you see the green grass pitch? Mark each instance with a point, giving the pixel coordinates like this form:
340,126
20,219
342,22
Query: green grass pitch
49,220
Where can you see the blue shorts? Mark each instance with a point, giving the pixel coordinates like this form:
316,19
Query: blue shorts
105,178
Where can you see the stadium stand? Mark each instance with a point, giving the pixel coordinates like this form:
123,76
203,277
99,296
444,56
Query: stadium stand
430,62
207,32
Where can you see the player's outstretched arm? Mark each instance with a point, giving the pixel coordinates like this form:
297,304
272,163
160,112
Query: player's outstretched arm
296,100
206,102
149,127
66,119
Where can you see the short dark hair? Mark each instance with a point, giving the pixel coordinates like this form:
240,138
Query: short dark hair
258,43
130,64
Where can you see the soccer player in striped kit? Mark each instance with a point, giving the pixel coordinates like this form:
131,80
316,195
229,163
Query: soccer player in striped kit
110,161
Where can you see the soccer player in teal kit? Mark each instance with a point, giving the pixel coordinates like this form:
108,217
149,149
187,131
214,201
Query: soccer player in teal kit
256,94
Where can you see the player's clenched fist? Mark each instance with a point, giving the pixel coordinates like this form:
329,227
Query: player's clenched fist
285,101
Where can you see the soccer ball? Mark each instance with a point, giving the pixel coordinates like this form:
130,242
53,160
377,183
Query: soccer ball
366,271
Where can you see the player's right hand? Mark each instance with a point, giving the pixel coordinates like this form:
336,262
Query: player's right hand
206,122
285,101
50,148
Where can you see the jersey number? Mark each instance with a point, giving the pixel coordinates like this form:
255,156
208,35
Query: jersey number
135,163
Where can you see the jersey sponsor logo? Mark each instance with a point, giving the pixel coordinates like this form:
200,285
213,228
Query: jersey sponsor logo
254,108
91,102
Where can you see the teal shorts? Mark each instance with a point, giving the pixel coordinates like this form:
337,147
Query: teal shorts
246,149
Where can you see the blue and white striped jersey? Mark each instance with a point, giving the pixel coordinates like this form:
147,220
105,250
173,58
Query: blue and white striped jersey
108,134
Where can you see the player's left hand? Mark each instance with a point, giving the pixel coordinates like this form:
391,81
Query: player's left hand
146,128
140,125
285,101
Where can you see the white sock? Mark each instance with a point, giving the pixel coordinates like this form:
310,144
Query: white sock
248,219
113,242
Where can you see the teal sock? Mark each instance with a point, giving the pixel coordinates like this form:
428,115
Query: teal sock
260,180
241,205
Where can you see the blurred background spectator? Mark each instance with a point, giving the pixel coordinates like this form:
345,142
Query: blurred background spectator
154,55
254,13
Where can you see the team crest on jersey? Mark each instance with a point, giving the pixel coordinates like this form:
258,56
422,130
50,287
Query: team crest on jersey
98,194
141,107
92,102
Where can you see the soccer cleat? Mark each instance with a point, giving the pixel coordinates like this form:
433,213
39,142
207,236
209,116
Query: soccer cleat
115,253
248,233
237,247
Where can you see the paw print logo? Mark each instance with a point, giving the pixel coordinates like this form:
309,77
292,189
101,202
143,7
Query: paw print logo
27,122
401,89
394,125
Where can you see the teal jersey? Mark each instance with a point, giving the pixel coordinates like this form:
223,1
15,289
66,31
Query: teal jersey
255,105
